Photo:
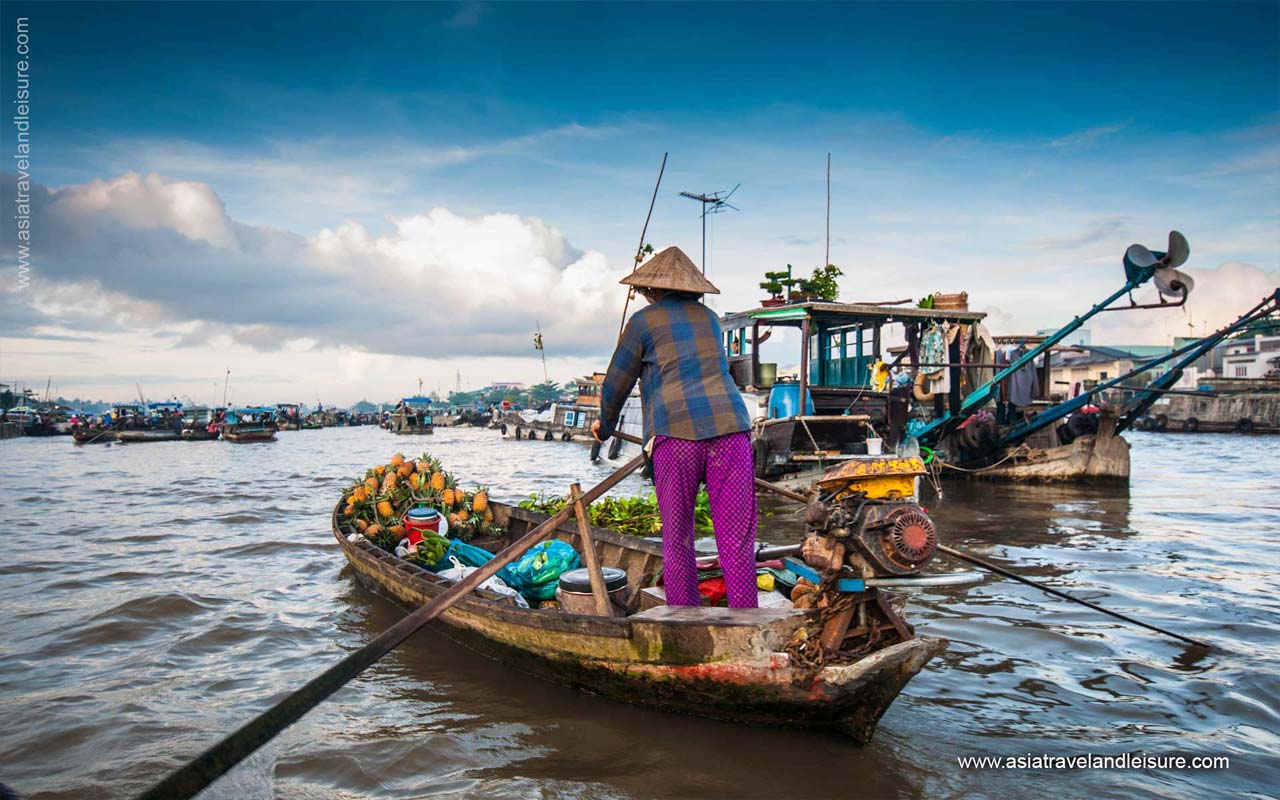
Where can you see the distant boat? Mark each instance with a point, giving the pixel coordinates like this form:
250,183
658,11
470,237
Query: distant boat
250,425
202,424
288,417
413,416
158,422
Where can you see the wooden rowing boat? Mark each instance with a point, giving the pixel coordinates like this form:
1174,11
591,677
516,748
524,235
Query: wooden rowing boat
710,662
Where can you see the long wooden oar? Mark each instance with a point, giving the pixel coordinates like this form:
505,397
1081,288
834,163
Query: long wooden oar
999,570
219,759
987,565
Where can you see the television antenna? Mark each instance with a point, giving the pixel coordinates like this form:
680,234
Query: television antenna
712,203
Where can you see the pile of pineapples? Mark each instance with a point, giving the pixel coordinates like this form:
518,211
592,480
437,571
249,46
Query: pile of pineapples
377,504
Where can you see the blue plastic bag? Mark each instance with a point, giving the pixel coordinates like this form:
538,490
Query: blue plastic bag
537,573
468,554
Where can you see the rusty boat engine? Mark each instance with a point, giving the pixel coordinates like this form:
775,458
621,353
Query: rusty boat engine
865,531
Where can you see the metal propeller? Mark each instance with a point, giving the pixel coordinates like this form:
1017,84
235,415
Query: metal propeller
1139,261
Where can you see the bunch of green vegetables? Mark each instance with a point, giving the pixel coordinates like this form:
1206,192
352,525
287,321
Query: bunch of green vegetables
635,516
430,550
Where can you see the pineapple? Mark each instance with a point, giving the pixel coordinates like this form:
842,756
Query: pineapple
396,461
448,497
384,509
437,481
422,466
488,516
480,501
463,516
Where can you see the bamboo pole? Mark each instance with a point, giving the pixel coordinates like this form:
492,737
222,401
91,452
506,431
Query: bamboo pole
603,607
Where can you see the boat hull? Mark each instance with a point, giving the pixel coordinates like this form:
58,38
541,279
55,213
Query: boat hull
229,434
148,436
713,663
94,436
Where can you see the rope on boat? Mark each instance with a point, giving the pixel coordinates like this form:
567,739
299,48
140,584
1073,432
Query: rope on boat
1021,449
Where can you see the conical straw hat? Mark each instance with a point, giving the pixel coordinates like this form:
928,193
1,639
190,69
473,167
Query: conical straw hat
671,269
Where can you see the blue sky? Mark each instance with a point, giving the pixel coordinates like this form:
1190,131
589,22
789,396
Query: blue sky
1012,150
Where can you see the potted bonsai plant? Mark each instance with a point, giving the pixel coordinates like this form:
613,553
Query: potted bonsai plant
776,283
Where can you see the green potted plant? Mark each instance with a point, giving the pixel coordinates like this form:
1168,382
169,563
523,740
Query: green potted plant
824,285
776,283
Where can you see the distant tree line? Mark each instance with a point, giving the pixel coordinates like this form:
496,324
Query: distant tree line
536,395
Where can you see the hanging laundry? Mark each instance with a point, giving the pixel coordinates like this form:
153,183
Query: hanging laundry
1022,383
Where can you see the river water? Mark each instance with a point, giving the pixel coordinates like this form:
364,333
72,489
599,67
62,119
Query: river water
154,596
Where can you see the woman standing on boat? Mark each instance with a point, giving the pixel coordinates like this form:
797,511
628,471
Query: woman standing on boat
695,424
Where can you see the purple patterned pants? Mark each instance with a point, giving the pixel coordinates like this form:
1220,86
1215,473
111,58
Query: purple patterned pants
680,466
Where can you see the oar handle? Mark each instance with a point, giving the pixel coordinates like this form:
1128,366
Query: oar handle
761,484
190,779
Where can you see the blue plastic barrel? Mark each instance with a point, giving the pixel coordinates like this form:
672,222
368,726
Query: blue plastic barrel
784,401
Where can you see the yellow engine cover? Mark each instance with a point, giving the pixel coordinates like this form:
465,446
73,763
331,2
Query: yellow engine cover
878,477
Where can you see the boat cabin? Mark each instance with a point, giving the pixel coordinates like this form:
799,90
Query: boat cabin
251,416
412,415
590,388
842,394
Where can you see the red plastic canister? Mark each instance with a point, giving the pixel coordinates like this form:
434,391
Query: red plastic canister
420,520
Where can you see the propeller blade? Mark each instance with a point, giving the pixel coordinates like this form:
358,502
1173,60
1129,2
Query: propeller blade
1170,282
1179,250
1139,256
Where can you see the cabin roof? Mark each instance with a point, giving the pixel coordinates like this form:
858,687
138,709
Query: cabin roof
842,314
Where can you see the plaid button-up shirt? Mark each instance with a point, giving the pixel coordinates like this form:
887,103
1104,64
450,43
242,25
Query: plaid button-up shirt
675,348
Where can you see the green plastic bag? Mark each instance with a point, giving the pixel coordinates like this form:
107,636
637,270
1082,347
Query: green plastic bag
537,573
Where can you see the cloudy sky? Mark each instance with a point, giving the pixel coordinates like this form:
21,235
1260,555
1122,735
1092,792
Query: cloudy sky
335,200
